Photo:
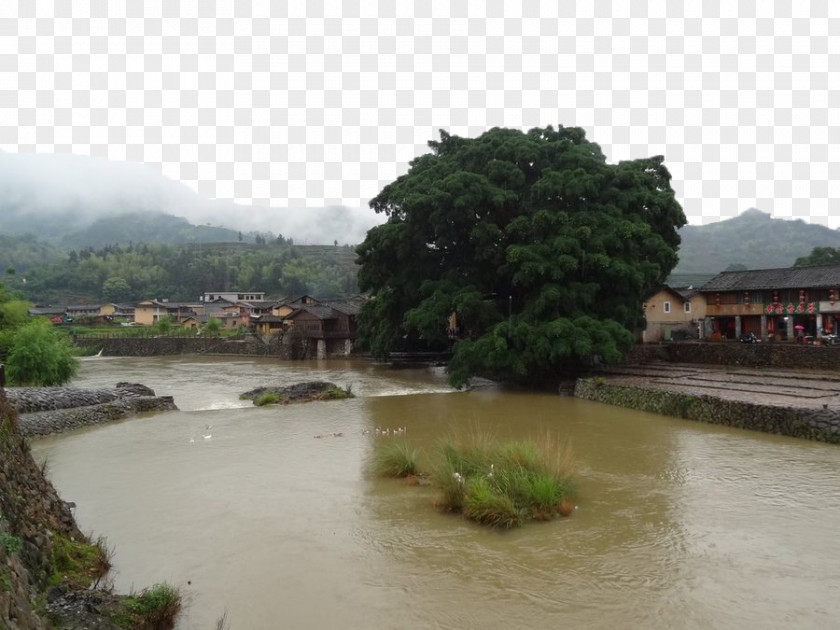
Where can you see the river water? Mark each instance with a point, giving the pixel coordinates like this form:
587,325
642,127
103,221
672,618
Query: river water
678,524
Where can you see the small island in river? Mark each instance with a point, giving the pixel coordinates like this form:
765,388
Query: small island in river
299,392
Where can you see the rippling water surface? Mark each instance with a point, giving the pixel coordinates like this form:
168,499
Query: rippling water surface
679,524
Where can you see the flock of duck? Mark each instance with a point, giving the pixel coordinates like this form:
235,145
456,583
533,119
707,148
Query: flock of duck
386,431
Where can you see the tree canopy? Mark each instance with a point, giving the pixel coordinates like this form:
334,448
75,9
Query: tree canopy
819,256
542,250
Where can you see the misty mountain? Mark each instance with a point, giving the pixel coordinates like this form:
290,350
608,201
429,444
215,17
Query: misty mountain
148,227
55,195
753,240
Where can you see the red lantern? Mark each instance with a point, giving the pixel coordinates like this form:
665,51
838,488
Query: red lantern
801,295
747,299
775,297
717,299
831,296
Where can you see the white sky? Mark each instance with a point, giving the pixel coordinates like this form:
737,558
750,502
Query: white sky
310,104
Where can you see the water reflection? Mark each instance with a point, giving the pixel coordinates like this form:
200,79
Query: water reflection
679,524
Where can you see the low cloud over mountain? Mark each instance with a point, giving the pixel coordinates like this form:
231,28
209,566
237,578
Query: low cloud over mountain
51,195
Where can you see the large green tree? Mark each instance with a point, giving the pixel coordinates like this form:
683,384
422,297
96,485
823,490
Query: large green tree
542,250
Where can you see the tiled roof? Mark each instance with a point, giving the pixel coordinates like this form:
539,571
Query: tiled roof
260,319
348,308
47,310
820,277
83,307
321,312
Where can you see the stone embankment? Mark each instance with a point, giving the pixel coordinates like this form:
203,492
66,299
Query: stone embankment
162,346
45,410
804,404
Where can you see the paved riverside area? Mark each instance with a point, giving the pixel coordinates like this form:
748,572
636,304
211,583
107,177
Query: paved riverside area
764,386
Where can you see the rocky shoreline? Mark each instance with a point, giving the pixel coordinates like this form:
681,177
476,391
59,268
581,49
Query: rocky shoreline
46,410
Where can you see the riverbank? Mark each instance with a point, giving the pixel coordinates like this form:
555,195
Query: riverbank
796,403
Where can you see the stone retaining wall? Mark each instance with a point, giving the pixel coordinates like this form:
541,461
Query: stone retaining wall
815,424
776,355
45,410
156,346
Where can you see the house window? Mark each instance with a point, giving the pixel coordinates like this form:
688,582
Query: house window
667,307
687,307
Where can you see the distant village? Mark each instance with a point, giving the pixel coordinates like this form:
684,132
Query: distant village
330,324
791,304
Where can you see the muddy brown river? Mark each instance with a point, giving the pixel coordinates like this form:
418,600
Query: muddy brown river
678,524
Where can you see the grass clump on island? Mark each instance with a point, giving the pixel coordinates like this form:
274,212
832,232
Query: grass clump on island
499,484
269,398
154,608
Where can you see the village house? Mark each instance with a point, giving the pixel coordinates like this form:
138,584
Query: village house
148,312
792,303
331,325
233,296
673,314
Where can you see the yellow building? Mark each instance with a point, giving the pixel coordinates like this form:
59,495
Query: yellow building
673,314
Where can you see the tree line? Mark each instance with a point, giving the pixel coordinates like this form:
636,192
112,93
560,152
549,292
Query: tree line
126,274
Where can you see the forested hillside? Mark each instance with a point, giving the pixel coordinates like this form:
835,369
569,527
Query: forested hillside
184,272
146,227
753,239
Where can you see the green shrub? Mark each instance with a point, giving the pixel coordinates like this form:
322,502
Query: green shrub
39,356
395,459
155,608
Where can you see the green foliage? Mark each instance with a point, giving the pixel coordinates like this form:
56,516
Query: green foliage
267,398
165,324
213,327
116,289
23,253
77,562
395,459
333,392
483,504
12,544
542,250
819,256
40,356
182,272
13,314
154,608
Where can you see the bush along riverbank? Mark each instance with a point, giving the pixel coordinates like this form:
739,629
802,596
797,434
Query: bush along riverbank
801,422
498,484
51,574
